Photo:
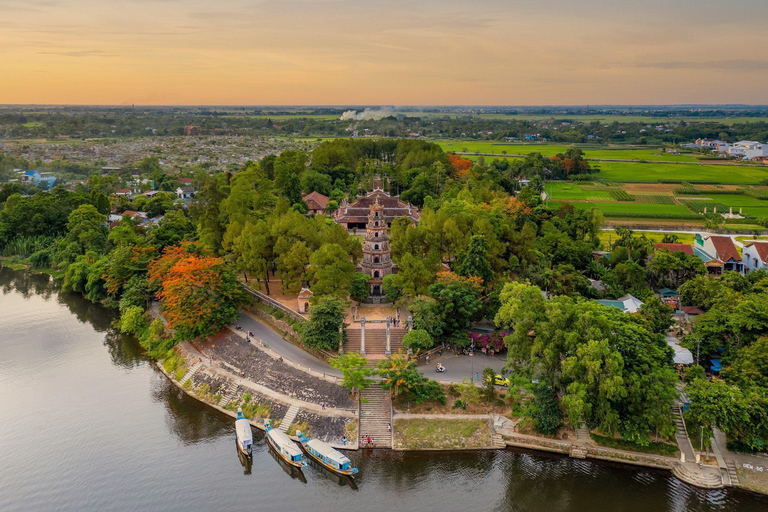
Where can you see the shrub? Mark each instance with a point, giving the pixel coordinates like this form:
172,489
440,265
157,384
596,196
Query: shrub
460,404
278,314
418,339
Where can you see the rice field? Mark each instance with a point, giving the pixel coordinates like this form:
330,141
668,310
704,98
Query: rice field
692,173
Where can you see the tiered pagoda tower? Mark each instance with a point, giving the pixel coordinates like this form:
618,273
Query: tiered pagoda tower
377,260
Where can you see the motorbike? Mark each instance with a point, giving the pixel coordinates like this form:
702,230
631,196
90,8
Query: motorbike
440,369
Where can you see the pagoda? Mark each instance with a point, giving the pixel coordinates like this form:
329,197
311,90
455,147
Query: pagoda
377,260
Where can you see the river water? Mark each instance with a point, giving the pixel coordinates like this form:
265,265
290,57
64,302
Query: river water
87,423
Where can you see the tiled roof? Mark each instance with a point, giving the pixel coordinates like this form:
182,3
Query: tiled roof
692,310
359,210
686,248
320,201
726,250
761,248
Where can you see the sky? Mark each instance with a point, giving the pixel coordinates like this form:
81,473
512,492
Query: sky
383,52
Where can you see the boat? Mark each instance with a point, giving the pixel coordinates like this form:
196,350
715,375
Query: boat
244,434
283,446
327,456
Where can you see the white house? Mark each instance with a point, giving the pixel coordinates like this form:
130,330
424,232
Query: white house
185,192
755,256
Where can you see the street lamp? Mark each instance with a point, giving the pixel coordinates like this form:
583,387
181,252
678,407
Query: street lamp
701,446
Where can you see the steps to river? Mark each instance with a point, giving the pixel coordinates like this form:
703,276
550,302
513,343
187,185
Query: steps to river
376,416
289,417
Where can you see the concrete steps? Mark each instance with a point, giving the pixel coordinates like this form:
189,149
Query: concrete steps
229,395
578,452
731,466
190,373
582,434
290,415
497,441
375,340
375,416
691,474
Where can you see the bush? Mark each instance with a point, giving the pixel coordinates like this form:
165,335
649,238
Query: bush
693,372
418,339
547,416
460,404
278,314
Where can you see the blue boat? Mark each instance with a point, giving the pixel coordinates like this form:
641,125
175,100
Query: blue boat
283,446
327,456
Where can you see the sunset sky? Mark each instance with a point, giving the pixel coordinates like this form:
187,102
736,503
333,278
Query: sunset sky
414,52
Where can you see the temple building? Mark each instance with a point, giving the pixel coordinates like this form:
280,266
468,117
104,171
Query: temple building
377,260
354,216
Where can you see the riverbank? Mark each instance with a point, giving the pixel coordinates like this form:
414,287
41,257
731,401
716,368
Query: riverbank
225,372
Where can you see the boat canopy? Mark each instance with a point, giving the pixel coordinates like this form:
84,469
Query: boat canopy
244,432
286,445
327,451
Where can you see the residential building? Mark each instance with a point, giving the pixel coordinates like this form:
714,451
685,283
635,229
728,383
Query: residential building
191,130
724,250
185,192
628,303
755,256
316,203
124,192
35,178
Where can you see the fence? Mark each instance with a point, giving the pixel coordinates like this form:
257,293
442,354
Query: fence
266,299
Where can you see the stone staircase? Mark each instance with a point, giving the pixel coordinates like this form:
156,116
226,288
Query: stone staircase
578,452
582,434
497,441
691,474
729,464
229,395
375,415
190,373
290,415
681,436
375,340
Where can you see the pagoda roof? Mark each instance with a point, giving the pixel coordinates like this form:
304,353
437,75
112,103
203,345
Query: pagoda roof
359,210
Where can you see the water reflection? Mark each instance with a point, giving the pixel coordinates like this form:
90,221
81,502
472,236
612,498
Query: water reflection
292,471
246,461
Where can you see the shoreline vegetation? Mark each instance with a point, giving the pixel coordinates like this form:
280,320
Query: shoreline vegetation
489,247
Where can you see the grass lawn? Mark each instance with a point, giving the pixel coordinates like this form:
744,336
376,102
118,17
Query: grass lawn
567,191
638,171
415,434
738,200
666,449
656,236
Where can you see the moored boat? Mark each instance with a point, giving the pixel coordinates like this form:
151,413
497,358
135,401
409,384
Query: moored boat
283,446
327,456
244,434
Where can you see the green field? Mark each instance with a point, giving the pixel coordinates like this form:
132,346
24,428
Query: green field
588,117
567,191
649,172
609,236
627,209
590,151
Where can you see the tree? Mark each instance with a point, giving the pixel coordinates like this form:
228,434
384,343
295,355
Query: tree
547,416
489,383
393,287
199,293
361,288
401,377
132,321
356,376
474,261
326,317
332,270
293,267
657,314
458,300
86,230
417,339
427,317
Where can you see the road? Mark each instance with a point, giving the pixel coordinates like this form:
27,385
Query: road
458,368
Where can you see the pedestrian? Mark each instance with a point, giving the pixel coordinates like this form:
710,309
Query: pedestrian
323,405
389,427
427,358
344,440
369,441
477,376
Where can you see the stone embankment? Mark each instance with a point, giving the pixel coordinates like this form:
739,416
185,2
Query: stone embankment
223,376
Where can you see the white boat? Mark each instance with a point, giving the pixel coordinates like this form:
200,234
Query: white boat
244,434
283,446
327,456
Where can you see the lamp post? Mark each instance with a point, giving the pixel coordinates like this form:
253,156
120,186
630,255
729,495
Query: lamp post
701,445
472,358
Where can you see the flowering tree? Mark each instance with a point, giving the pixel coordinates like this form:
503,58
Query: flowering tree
199,292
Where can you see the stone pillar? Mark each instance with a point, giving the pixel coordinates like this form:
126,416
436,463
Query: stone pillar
388,351
410,322
362,335
341,336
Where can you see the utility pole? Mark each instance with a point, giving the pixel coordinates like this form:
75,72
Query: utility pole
698,347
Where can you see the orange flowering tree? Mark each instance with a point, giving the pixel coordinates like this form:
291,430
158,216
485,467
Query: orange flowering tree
200,293
461,166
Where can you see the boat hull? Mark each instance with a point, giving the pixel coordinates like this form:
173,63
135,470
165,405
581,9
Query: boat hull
341,472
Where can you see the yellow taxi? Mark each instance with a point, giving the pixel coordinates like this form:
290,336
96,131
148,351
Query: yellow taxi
499,380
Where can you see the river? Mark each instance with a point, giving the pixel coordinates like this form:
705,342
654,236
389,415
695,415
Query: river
88,423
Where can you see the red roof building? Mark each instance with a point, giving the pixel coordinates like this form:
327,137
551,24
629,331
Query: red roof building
186,181
316,202
755,256
191,130
723,248
686,248
355,215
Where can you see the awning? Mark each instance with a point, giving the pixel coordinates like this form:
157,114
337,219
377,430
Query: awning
716,367
682,354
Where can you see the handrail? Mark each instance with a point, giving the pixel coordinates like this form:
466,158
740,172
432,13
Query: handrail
275,304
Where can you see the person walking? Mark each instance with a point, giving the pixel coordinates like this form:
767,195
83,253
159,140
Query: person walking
389,427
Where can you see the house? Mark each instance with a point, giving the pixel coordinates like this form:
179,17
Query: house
35,178
185,192
755,256
123,192
686,248
316,203
185,181
628,303
149,194
723,249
